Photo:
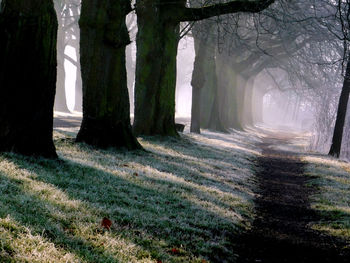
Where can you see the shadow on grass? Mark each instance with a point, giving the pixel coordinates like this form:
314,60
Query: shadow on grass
152,215
34,213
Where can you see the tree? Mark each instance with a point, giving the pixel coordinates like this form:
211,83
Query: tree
68,12
341,114
197,82
28,32
157,40
106,109
343,8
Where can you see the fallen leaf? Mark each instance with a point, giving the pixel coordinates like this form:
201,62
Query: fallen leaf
159,261
106,223
135,174
175,251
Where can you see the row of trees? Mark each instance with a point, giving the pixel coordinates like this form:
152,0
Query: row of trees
306,40
28,37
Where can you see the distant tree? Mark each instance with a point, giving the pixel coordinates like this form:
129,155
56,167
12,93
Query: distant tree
343,15
60,97
28,31
197,82
280,37
68,12
106,109
157,40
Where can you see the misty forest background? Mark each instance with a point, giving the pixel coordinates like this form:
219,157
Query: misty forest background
175,114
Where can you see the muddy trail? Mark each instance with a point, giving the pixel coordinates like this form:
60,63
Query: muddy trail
281,229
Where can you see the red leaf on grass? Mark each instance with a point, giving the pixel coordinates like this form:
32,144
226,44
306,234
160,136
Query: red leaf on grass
106,223
159,261
175,251
135,174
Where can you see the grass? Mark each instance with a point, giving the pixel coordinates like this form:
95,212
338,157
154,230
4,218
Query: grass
181,201
332,200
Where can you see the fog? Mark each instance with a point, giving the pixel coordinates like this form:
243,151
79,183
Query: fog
246,82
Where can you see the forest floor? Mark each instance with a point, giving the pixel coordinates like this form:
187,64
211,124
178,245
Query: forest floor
255,196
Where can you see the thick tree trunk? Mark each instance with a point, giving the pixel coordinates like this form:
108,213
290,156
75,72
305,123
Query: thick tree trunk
157,41
106,113
28,34
215,122
197,82
227,82
208,92
341,114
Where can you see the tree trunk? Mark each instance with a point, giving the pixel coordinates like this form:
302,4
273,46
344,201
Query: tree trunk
258,106
78,105
227,82
340,121
197,82
157,41
28,34
215,122
106,113
247,115
208,92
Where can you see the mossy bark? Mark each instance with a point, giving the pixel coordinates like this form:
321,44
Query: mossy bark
208,92
157,42
215,122
28,37
228,83
197,82
106,109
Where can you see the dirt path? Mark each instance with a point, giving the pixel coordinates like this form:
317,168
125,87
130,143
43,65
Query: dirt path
281,231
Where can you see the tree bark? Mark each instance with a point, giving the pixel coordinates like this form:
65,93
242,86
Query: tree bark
157,41
215,122
197,82
106,109
28,37
341,114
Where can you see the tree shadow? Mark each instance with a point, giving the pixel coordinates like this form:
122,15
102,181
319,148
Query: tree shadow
144,215
36,214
